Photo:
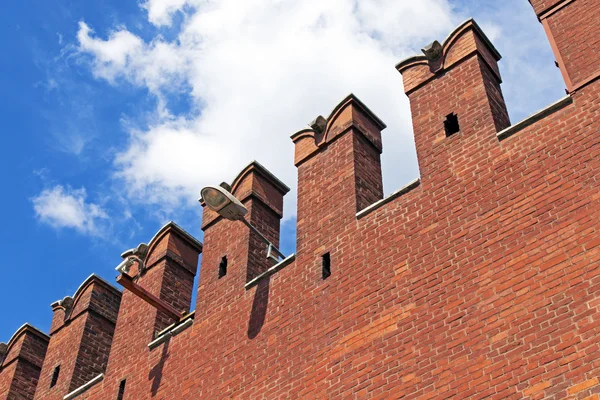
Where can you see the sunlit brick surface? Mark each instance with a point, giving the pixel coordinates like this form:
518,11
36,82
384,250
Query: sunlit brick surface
481,281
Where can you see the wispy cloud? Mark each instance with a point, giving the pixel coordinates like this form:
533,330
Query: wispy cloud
64,207
64,101
161,11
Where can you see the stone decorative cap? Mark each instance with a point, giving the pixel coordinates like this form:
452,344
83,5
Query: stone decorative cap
256,166
182,232
448,41
466,39
350,112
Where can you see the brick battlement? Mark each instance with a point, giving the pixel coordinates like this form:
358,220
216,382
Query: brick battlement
478,280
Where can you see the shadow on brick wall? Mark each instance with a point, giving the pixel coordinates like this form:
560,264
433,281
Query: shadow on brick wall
156,373
259,308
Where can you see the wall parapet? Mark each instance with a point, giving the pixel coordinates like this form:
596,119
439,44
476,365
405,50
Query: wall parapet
532,119
275,268
405,189
487,258
83,388
171,331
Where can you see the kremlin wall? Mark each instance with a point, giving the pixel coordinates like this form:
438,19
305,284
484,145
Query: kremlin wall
479,280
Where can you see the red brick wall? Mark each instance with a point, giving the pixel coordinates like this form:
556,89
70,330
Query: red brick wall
172,262
245,251
467,85
63,350
171,267
93,352
24,381
540,6
482,282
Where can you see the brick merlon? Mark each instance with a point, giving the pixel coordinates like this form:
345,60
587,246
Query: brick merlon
24,329
361,118
418,70
67,309
27,327
267,189
350,97
255,165
93,278
192,241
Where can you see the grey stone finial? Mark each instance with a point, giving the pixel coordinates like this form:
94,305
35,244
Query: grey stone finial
226,186
141,250
319,124
433,51
67,302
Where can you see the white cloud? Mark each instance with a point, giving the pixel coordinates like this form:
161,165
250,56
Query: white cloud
62,207
160,11
257,71
154,65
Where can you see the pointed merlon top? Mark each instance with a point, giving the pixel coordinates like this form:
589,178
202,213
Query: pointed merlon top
182,232
348,114
98,279
349,98
73,307
255,165
25,328
68,301
447,43
245,185
465,41
33,352
352,98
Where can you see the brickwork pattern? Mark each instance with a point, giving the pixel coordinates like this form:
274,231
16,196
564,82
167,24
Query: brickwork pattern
577,33
20,369
480,282
81,337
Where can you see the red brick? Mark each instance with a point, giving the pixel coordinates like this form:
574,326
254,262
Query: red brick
479,281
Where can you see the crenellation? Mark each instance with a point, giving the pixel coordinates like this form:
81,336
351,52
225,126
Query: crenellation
466,87
23,357
80,338
477,280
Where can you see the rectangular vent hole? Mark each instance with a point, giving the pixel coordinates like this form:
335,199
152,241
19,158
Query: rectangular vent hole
451,124
326,265
55,376
121,390
223,267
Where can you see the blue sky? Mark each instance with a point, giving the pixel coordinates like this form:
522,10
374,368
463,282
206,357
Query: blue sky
116,113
